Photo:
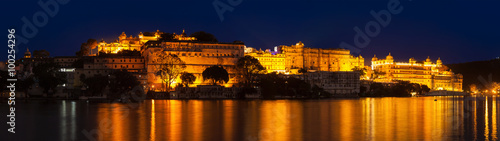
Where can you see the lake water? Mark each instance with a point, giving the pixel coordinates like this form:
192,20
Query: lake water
409,118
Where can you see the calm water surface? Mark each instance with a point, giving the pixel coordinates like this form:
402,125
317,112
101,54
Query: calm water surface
416,118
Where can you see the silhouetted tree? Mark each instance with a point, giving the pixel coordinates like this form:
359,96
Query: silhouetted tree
87,47
48,75
302,70
361,70
166,37
425,89
24,84
169,67
272,85
187,78
121,82
4,75
41,54
204,36
249,67
216,74
96,84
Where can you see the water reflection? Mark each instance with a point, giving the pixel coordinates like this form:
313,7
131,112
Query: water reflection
68,120
447,118
421,118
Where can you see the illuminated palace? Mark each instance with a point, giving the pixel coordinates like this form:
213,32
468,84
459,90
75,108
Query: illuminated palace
435,75
128,43
197,56
290,59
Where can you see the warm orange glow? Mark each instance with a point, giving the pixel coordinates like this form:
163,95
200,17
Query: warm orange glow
435,75
175,119
228,119
152,133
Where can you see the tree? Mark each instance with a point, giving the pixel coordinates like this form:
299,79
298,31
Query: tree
25,84
187,78
48,75
203,36
169,67
361,70
272,85
41,54
376,74
87,47
96,84
249,67
166,37
122,81
216,74
425,89
4,75
302,70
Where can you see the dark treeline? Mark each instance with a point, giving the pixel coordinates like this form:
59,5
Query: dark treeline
398,89
472,70
273,85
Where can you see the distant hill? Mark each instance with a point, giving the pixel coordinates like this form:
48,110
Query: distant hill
472,70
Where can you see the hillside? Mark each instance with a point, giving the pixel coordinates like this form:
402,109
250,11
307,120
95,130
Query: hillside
473,70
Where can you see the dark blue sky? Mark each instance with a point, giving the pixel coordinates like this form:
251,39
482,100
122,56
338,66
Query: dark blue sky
456,31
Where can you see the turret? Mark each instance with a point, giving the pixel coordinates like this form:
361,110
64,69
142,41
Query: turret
299,44
374,58
428,61
141,35
27,54
389,57
157,33
412,60
122,36
439,62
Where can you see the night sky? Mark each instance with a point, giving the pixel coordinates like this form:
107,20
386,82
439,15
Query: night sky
456,31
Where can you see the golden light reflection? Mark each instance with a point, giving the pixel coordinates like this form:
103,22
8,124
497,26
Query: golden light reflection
486,121
196,107
175,122
228,119
494,119
347,121
119,121
359,119
152,134
275,121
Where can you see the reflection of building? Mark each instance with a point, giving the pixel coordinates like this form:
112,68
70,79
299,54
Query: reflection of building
435,75
297,56
336,83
